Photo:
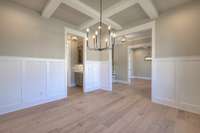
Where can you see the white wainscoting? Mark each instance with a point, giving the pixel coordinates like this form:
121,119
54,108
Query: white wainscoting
106,76
176,83
25,82
97,76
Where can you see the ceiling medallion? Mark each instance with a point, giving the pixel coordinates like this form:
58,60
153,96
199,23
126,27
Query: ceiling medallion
98,44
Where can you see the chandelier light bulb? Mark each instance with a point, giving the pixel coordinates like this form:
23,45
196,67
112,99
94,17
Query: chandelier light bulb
114,35
95,41
88,30
86,39
109,27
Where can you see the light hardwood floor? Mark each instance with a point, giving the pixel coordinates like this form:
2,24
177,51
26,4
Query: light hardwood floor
128,109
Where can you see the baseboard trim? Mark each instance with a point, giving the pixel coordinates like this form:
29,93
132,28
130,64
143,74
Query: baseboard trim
122,82
181,106
72,85
22,106
139,77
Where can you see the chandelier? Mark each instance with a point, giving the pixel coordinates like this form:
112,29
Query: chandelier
98,44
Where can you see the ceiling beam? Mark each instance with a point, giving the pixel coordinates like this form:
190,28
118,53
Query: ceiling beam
50,8
118,7
114,9
149,8
147,26
88,24
113,24
80,6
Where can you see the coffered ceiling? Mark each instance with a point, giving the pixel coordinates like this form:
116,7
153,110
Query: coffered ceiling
70,15
130,15
120,14
95,3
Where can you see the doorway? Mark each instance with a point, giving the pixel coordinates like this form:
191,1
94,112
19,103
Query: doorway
75,62
139,43
140,65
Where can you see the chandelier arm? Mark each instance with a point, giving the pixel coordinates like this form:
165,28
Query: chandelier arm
97,38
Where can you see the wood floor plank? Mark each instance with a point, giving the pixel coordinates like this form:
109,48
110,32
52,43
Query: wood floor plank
128,109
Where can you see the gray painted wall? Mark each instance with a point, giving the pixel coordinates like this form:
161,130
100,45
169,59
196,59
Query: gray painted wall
121,62
25,33
178,30
177,34
141,68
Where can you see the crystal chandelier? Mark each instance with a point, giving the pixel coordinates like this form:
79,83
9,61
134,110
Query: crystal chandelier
97,42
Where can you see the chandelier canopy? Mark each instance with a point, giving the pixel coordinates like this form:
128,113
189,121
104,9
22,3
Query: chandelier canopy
98,44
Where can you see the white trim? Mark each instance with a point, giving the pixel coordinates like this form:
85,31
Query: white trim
78,33
149,8
139,45
174,97
173,104
82,7
147,26
121,82
118,7
50,8
88,24
166,102
114,9
45,97
110,70
147,5
180,58
28,105
140,77
114,24
30,58
139,38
